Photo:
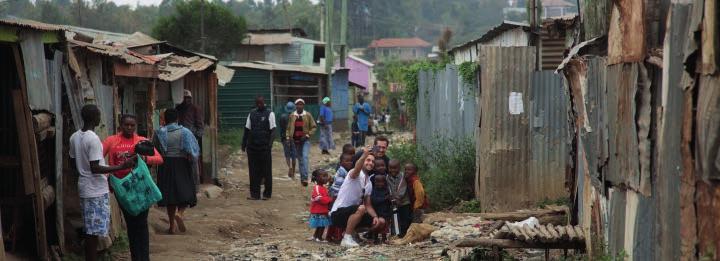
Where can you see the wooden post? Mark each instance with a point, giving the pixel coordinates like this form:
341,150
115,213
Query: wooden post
151,108
29,157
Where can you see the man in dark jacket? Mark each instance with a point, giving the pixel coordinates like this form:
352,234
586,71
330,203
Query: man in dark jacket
257,142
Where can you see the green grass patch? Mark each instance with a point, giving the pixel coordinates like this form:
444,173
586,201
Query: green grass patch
232,138
564,201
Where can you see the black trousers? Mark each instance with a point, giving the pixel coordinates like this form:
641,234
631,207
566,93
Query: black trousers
138,235
404,218
260,166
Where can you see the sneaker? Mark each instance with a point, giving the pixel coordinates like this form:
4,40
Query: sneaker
348,241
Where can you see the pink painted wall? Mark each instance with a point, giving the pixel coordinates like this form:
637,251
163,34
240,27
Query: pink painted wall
359,72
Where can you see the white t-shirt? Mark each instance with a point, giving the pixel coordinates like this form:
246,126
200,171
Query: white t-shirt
85,146
351,191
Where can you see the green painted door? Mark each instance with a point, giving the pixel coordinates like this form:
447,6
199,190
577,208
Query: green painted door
237,98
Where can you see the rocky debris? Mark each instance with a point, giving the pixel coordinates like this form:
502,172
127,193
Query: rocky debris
211,191
268,249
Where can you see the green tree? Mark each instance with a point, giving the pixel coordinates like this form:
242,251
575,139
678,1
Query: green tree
223,30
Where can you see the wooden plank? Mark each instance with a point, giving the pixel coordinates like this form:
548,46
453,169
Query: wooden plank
507,243
151,107
28,152
25,158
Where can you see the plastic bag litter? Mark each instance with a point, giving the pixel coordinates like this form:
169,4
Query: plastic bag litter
531,222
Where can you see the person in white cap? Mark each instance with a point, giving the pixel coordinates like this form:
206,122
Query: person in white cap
326,120
301,126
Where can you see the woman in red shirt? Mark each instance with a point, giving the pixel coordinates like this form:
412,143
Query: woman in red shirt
119,148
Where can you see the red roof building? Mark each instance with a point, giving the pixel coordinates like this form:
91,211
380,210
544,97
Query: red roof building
404,49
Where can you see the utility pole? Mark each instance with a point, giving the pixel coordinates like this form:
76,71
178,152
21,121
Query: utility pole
329,60
322,21
343,34
535,33
202,26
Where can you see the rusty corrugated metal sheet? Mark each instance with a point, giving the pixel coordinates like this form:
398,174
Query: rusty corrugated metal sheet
31,24
706,155
623,165
506,176
668,165
626,35
595,16
551,137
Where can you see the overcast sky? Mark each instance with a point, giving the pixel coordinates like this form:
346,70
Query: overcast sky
149,2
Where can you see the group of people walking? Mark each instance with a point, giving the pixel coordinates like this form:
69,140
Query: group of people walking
175,152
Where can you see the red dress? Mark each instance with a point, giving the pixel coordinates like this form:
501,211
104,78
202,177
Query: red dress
320,204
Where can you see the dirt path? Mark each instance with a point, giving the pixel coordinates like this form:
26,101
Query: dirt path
215,225
232,228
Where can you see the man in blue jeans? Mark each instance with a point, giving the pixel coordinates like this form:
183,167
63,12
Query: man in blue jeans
326,131
363,111
301,126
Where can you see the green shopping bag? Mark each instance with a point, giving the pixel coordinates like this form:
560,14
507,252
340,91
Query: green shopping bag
137,191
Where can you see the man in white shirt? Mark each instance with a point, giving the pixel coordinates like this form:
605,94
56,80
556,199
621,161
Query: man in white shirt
257,142
86,153
350,209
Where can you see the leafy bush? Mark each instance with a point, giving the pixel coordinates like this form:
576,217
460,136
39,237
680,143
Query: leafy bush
405,153
446,168
472,206
232,138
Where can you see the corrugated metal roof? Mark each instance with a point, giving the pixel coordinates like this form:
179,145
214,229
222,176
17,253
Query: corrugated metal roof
276,38
108,50
224,74
399,42
175,67
25,23
361,60
492,33
268,66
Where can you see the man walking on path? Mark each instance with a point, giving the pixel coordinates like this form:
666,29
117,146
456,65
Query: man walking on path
326,131
191,117
300,127
86,156
257,142
288,148
363,111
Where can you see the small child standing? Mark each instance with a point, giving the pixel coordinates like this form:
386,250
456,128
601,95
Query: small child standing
380,168
418,198
355,132
342,171
319,205
380,200
400,197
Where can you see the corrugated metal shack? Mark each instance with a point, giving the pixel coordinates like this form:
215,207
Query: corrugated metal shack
140,75
555,34
286,46
31,134
446,106
523,139
279,83
643,82
52,71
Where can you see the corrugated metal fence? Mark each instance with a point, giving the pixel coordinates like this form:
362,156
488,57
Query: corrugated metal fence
523,134
446,106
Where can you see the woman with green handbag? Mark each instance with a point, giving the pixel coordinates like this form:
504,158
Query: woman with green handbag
119,148
177,176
